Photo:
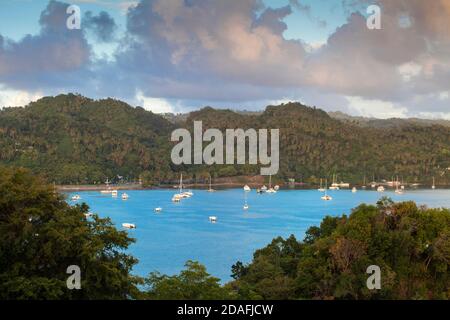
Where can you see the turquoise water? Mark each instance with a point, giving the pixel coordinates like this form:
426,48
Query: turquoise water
182,231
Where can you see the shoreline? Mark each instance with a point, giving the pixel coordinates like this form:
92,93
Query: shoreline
219,186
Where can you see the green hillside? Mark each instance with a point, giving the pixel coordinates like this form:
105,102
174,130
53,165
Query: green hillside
73,139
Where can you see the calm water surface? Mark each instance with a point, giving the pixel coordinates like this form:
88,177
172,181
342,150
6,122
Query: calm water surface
182,231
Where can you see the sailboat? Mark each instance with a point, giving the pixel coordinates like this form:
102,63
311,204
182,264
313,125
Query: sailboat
247,188
334,185
326,197
364,183
210,189
321,189
181,195
76,198
270,190
246,207
397,189
108,188
373,184
354,190
434,184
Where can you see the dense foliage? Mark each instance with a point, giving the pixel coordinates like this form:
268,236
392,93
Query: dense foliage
411,245
193,283
41,236
72,140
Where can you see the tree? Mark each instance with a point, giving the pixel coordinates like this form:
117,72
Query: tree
409,244
193,283
41,236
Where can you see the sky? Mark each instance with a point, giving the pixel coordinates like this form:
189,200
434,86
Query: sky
181,55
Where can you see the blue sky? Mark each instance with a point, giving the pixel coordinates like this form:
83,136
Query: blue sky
179,55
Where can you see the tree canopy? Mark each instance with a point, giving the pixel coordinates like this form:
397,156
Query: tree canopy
71,139
41,236
411,245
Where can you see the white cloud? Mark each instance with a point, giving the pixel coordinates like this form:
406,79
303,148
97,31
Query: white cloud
156,105
409,70
444,95
376,108
17,98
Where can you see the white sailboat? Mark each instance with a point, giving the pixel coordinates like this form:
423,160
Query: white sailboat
108,188
129,225
247,188
246,207
182,195
398,190
270,190
125,196
210,189
434,184
326,197
75,197
321,189
334,185
380,189
114,193
354,190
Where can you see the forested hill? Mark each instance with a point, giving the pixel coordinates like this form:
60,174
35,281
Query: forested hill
72,139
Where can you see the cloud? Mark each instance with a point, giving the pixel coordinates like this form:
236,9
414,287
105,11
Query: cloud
47,57
17,98
102,25
235,53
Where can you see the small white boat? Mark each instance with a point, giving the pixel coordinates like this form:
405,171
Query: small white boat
108,189
159,209
321,188
354,190
129,225
210,189
176,198
114,193
263,189
125,196
326,197
246,207
213,219
188,194
75,197
247,188
270,190
380,189
434,184
276,188
334,185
